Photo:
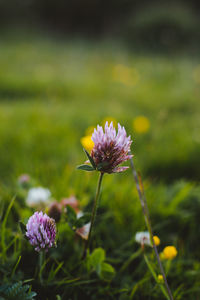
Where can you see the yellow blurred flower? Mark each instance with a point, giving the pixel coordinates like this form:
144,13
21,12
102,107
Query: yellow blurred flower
109,120
160,278
127,76
141,124
169,252
87,142
156,240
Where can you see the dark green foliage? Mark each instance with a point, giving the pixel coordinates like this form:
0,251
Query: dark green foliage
85,168
71,216
90,159
163,26
154,24
22,227
16,291
80,222
75,222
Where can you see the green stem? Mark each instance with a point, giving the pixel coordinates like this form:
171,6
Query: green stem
41,265
15,267
155,276
148,224
168,266
94,211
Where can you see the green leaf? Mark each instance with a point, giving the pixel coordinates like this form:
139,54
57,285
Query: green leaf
22,227
17,291
71,216
85,168
90,159
96,259
80,222
107,272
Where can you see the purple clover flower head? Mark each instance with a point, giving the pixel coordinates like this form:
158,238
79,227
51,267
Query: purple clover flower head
24,178
110,148
41,231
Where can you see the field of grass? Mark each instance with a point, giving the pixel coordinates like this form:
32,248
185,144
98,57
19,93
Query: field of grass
51,91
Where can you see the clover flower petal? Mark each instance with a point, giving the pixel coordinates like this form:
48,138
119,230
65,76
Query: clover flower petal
41,231
111,148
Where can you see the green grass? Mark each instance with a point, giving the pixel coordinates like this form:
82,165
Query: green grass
50,92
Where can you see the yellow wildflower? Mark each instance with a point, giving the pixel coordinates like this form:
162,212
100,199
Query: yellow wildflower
156,240
160,278
141,124
87,142
169,252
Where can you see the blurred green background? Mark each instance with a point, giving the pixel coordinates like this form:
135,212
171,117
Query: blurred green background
51,91
68,65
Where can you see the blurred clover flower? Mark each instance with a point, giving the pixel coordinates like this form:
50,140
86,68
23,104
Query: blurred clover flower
23,179
87,142
38,196
41,231
55,210
71,201
110,149
143,238
141,124
169,252
74,203
83,232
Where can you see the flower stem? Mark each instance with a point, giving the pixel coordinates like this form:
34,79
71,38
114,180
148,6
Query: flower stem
148,224
94,211
155,277
41,265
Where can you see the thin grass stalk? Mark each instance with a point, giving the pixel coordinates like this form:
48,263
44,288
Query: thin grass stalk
94,211
15,267
3,228
148,223
155,277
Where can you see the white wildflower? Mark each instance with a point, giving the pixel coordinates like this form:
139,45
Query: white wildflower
38,196
143,238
